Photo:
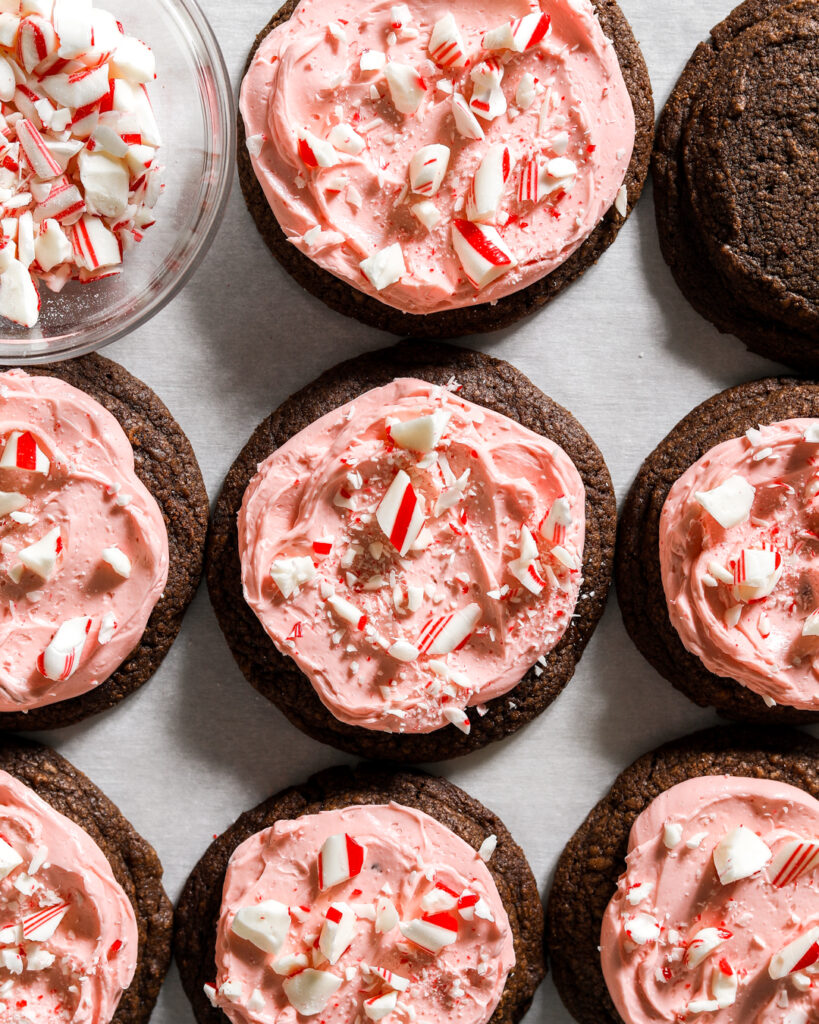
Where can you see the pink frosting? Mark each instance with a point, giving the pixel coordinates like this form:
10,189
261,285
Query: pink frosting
671,880
305,77
92,494
764,647
407,853
79,972
509,479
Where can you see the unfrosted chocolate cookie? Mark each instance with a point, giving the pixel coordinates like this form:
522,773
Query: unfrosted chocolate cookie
639,582
486,381
133,861
165,463
197,913
735,179
489,316
594,858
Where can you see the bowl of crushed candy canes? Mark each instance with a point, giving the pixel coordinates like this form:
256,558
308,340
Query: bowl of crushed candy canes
116,153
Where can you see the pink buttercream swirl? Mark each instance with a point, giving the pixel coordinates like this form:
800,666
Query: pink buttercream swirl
761,634
563,99
679,945
68,933
100,549
410,862
398,641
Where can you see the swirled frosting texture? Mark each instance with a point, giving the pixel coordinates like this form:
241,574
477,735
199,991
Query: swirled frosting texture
407,853
485,480
86,489
305,77
757,640
60,883
671,880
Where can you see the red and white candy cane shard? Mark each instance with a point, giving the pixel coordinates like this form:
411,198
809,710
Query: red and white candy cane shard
459,718
484,197
432,932
482,252
796,956
42,925
703,945
41,558
446,44
340,859
449,632
488,99
61,658
337,931
558,520
36,40
347,611
794,859
23,452
315,152
756,572
428,168
525,568
465,121
401,513
394,981
308,992
529,184
407,88
63,204
519,35
323,546
421,434
441,897
38,158
94,245
378,1007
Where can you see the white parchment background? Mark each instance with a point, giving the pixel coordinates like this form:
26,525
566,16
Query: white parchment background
620,348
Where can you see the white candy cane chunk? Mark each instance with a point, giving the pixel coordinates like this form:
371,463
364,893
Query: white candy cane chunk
266,925
459,718
9,26
25,239
449,632
484,197
432,932
796,956
558,520
526,91
41,926
315,152
482,252
310,991
810,627
385,267
421,434
703,945
641,928
133,60
401,513
756,572
724,985
792,860
8,83
337,931
41,558
378,1007
341,858
51,247
446,44
441,897
291,963
465,121
36,40
347,612
345,140
291,573
427,213
740,854
386,916
730,503
407,88
23,452
78,90
94,245
19,298
11,501
520,35
38,158
9,859
525,568
72,21
403,650
428,168
488,100
118,560
372,60
61,658
108,627
487,848
106,183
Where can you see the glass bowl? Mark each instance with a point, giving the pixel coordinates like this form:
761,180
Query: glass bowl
193,103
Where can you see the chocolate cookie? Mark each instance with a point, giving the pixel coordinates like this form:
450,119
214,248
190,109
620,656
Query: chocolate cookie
133,861
489,316
639,582
735,179
486,381
197,913
165,463
594,858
